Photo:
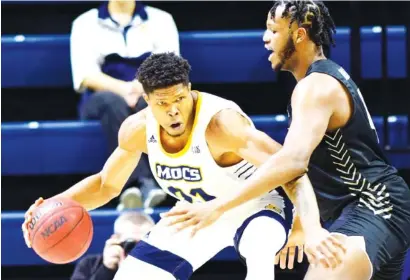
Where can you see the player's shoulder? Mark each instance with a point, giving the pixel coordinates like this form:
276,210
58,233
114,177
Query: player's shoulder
135,122
213,102
158,15
224,111
227,122
317,87
133,128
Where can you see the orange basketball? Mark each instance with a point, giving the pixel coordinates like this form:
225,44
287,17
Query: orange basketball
61,230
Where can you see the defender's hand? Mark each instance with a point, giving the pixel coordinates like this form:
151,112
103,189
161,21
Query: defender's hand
322,248
197,215
28,216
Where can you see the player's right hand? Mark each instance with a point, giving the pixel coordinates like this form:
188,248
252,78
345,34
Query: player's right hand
113,253
27,219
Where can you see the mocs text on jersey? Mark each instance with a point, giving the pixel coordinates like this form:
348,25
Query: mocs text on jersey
178,173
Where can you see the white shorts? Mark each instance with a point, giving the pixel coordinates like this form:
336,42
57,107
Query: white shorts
181,255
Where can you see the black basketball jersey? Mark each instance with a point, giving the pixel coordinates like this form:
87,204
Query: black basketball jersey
349,163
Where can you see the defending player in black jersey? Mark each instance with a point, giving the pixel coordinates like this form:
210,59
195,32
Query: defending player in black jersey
333,137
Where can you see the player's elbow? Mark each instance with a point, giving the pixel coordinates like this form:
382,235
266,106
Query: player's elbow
109,192
108,189
299,164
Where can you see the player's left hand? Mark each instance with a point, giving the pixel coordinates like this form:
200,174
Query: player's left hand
196,215
295,242
322,248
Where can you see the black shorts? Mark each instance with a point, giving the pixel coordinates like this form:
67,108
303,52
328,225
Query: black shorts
387,240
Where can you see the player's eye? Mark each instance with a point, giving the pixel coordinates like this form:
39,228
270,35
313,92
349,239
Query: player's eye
180,99
161,103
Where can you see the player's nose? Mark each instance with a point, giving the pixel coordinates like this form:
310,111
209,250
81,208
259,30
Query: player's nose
173,111
267,38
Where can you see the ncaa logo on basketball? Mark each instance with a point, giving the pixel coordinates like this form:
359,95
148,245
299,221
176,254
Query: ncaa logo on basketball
59,222
177,173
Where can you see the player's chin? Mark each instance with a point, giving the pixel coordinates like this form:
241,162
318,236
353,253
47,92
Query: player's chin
278,66
275,64
175,132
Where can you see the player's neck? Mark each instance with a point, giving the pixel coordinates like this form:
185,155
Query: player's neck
121,7
305,59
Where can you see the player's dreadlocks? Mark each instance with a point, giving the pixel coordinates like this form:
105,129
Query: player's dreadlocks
313,16
163,70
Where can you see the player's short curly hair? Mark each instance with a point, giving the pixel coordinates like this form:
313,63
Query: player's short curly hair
163,70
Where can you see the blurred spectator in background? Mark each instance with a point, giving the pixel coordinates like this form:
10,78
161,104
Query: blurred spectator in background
129,228
107,46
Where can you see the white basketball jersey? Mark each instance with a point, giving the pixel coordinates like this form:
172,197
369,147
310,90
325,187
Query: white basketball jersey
192,174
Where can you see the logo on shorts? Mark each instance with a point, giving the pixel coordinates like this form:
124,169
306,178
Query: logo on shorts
273,208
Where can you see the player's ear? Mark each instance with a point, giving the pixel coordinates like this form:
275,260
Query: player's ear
146,98
300,35
189,86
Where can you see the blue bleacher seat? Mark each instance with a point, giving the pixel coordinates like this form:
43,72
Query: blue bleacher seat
36,61
341,53
52,148
399,142
398,132
371,52
215,56
219,57
396,52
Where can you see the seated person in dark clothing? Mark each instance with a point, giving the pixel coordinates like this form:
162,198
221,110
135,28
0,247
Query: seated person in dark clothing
108,44
129,228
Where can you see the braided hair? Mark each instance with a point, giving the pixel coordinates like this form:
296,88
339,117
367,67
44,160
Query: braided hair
313,16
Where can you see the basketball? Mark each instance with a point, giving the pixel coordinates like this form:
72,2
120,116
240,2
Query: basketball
61,230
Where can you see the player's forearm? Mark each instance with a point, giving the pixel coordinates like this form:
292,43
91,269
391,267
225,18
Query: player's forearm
98,189
278,170
296,225
90,193
103,82
301,193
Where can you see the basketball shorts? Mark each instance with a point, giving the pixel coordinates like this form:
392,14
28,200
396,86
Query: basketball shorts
386,240
180,254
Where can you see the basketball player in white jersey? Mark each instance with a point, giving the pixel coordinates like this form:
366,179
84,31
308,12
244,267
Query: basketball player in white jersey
199,147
